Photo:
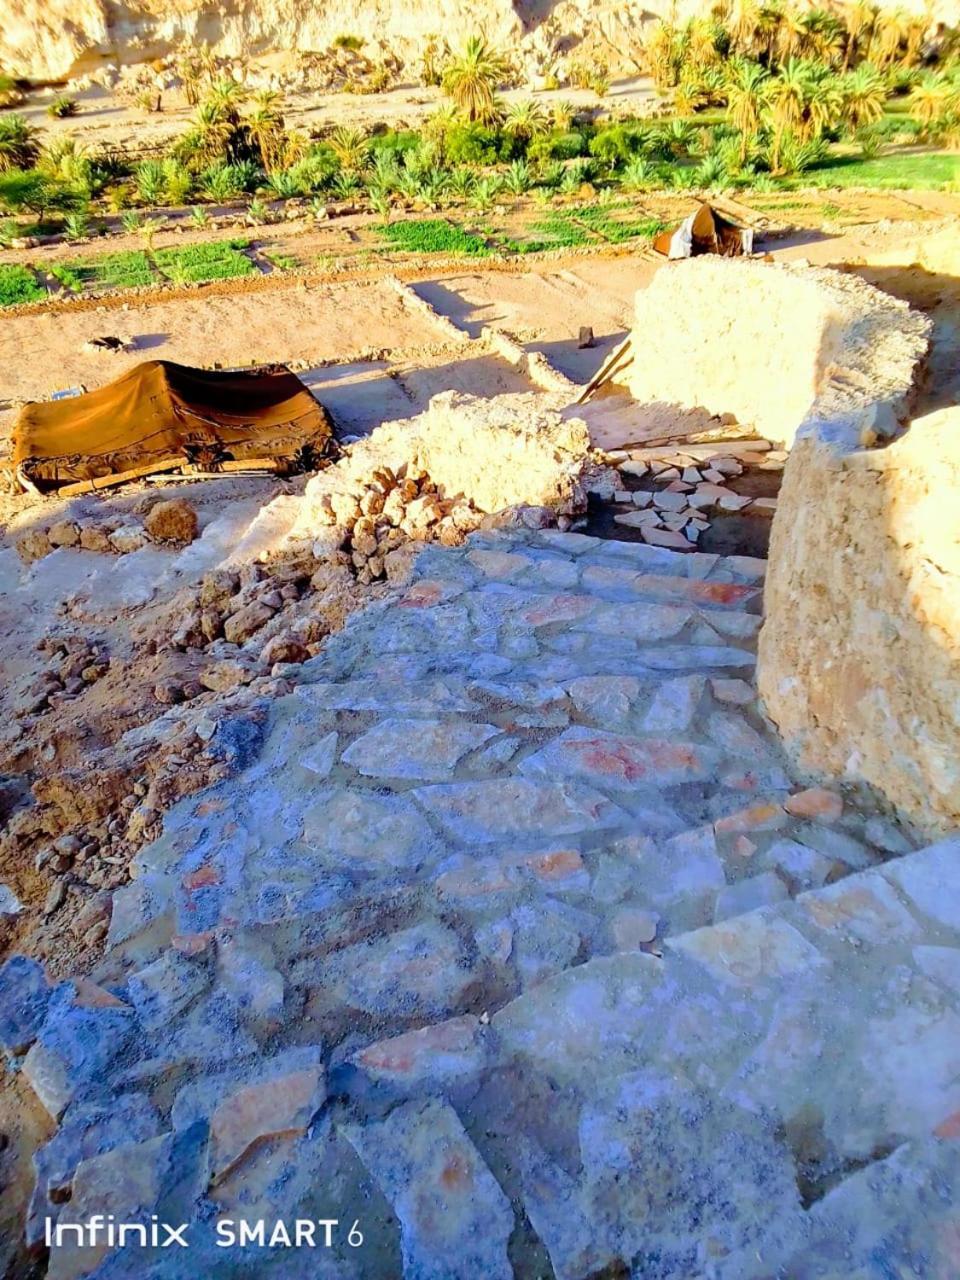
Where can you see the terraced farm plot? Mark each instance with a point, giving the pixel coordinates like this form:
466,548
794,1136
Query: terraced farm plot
130,270
584,225
194,264
19,284
433,235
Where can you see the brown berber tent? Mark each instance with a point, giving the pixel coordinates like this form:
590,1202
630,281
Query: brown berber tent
161,415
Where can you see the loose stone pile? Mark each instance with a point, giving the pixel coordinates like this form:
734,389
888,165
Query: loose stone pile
515,942
75,663
674,493
384,510
172,521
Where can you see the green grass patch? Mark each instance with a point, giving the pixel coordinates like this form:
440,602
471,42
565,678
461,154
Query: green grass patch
128,270
773,205
19,284
70,279
585,224
199,262
433,235
282,261
922,170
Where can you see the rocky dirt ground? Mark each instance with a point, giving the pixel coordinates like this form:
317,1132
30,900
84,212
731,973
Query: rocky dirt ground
596,693
523,951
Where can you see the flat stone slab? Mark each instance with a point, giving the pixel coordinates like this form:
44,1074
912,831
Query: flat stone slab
417,972
516,807
515,940
455,1220
426,750
612,760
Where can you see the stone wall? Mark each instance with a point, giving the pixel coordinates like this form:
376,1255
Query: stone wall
770,344
859,656
859,660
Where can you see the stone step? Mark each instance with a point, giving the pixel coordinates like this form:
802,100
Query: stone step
580,583
637,555
817,1035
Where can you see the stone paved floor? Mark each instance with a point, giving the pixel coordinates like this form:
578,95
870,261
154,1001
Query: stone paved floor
516,943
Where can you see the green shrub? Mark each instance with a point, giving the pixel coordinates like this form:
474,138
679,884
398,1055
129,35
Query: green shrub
63,106
19,143
19,284
31,191
67,277
472,144
617,143
559,145
77,224
150,179
396,141
129,270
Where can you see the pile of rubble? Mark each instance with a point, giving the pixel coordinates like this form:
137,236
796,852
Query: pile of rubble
173,521
388,509
73,664
672,494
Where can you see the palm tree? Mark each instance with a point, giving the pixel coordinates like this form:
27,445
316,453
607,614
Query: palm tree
864,93
265,125
19,143
787,95
661,52
824,105
767,35
889,33
791,35
228,96
823,35
701,43
351,148
932,100
562,116
746,95
472,76
743,23
860,20
525,120
211,133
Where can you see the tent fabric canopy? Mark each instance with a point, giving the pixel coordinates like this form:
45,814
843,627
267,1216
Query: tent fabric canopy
161,410
705,231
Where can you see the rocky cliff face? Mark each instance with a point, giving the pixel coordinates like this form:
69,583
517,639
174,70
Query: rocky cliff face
57,39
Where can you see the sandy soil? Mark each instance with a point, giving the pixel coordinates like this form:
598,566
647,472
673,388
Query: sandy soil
40,353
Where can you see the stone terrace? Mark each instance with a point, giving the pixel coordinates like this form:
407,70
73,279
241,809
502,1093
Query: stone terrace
515,941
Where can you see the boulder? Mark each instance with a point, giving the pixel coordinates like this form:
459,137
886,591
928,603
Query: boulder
172,520
32,546
94,537
64,533
130,537
240,626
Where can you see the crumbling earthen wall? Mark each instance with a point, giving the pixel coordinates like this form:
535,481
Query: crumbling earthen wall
770,344
504,452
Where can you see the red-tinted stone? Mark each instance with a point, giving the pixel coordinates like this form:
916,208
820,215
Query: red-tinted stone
762,817
817,802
